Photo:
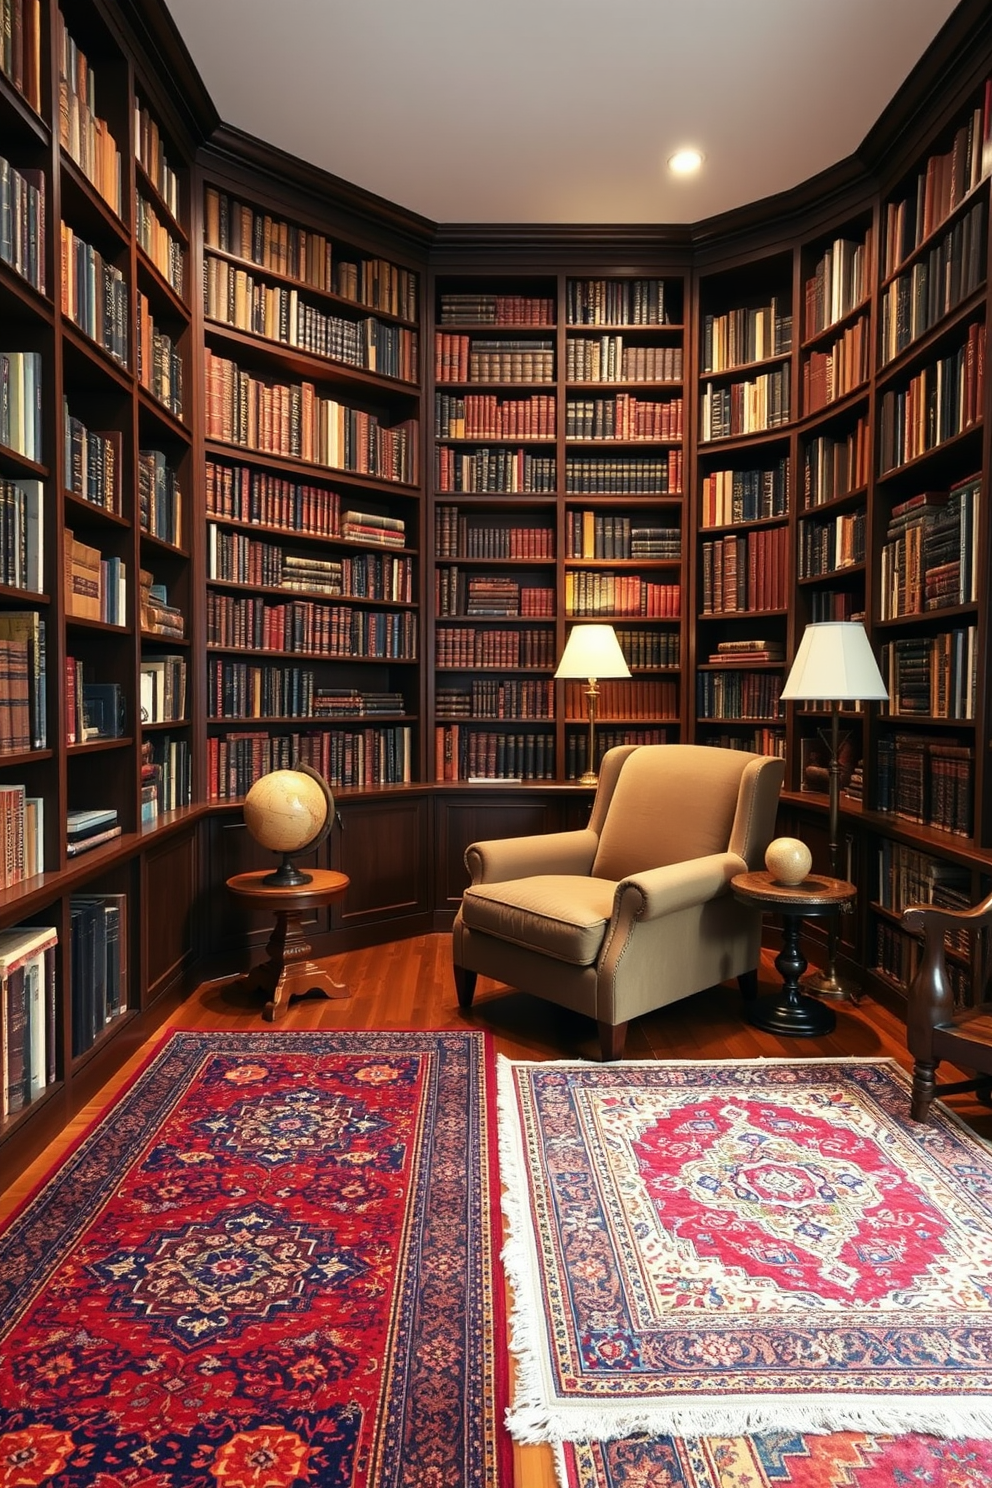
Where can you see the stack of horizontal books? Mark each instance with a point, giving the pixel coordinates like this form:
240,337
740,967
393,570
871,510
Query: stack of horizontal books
86,829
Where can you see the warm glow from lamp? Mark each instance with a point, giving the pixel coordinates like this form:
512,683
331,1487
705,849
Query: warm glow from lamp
592,651
685,162
834,664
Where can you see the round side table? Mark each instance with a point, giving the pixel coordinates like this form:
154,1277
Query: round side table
288,972
789,1011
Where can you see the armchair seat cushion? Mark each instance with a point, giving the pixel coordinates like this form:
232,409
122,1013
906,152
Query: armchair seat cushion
559,915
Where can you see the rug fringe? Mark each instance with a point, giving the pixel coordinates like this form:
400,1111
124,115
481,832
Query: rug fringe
532,1425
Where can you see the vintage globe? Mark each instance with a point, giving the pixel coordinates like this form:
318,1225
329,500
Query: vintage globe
286,810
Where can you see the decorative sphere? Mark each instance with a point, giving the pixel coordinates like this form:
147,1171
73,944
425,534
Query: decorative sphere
285,810
788,860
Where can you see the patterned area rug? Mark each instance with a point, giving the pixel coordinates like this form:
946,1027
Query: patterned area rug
271,1264
742,1248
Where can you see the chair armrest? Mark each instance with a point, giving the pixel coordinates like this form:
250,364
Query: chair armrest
923,917
680,885
506,858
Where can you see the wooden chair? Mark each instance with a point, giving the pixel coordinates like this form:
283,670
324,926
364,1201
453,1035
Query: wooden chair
935,1028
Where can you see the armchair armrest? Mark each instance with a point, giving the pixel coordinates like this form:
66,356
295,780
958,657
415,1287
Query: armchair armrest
506,858
677,886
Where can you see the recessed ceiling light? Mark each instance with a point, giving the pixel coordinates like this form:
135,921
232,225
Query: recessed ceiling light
684,162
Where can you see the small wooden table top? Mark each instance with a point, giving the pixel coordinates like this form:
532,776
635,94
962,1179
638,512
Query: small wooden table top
817,892
253,891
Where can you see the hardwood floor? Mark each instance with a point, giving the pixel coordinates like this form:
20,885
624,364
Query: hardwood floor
408,984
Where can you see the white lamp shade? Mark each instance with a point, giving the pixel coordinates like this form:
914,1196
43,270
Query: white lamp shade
835,663
592,651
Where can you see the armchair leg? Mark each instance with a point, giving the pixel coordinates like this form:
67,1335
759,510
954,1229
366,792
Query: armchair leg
612,1037
465,985
924,1089
748,983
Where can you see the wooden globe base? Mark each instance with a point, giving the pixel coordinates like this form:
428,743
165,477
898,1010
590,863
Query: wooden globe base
289,972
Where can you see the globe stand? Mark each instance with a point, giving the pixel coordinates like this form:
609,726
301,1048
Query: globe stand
287,875
288,972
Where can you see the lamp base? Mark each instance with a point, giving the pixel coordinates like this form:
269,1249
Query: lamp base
589,777
825,984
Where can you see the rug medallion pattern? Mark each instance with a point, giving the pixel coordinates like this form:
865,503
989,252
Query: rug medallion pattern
270,1265
743,1247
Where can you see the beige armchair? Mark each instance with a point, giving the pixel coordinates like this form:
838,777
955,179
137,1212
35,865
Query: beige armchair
635,911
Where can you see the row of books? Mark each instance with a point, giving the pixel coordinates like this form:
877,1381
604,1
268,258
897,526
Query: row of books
28,1062
734,496
478,308
162,695
457,535
347,758
20,47
832,374
835,464
307,626
739,694
22,835
950,272
619,475
929,560
238,689
22,220
836,604
839,283
22,535
591,593
94,710
468,359
161,246
485,416
468,648
762,740
749,334
160,363
484,595
292,419
941,401
305,255
242,494
623,417
927,781
463,753
150,154
945,180
234,297
86,137
594,534
233,557
616,302
649,650
166,775
94,295
745,571
20,403
23,699
493,470
160,499
577,745
608,359
92,462
98,957
748,407
932,676
629,698
95,587
826,545
499,698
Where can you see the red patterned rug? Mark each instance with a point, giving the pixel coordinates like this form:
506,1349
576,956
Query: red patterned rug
743,1248
270,1264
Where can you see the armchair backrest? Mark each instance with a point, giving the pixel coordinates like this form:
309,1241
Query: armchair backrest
672,802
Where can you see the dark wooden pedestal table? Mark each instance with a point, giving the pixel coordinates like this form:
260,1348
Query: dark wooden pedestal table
790,1011
289,972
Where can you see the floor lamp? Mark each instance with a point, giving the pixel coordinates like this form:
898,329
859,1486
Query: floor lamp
834,662
592,651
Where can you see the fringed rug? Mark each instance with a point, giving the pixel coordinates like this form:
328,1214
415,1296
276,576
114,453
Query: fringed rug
742,1248
270,1264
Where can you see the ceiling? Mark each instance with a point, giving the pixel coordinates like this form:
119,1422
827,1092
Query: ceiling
559,111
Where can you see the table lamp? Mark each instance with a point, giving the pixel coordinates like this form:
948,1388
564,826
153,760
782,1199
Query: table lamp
592,651
834,663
